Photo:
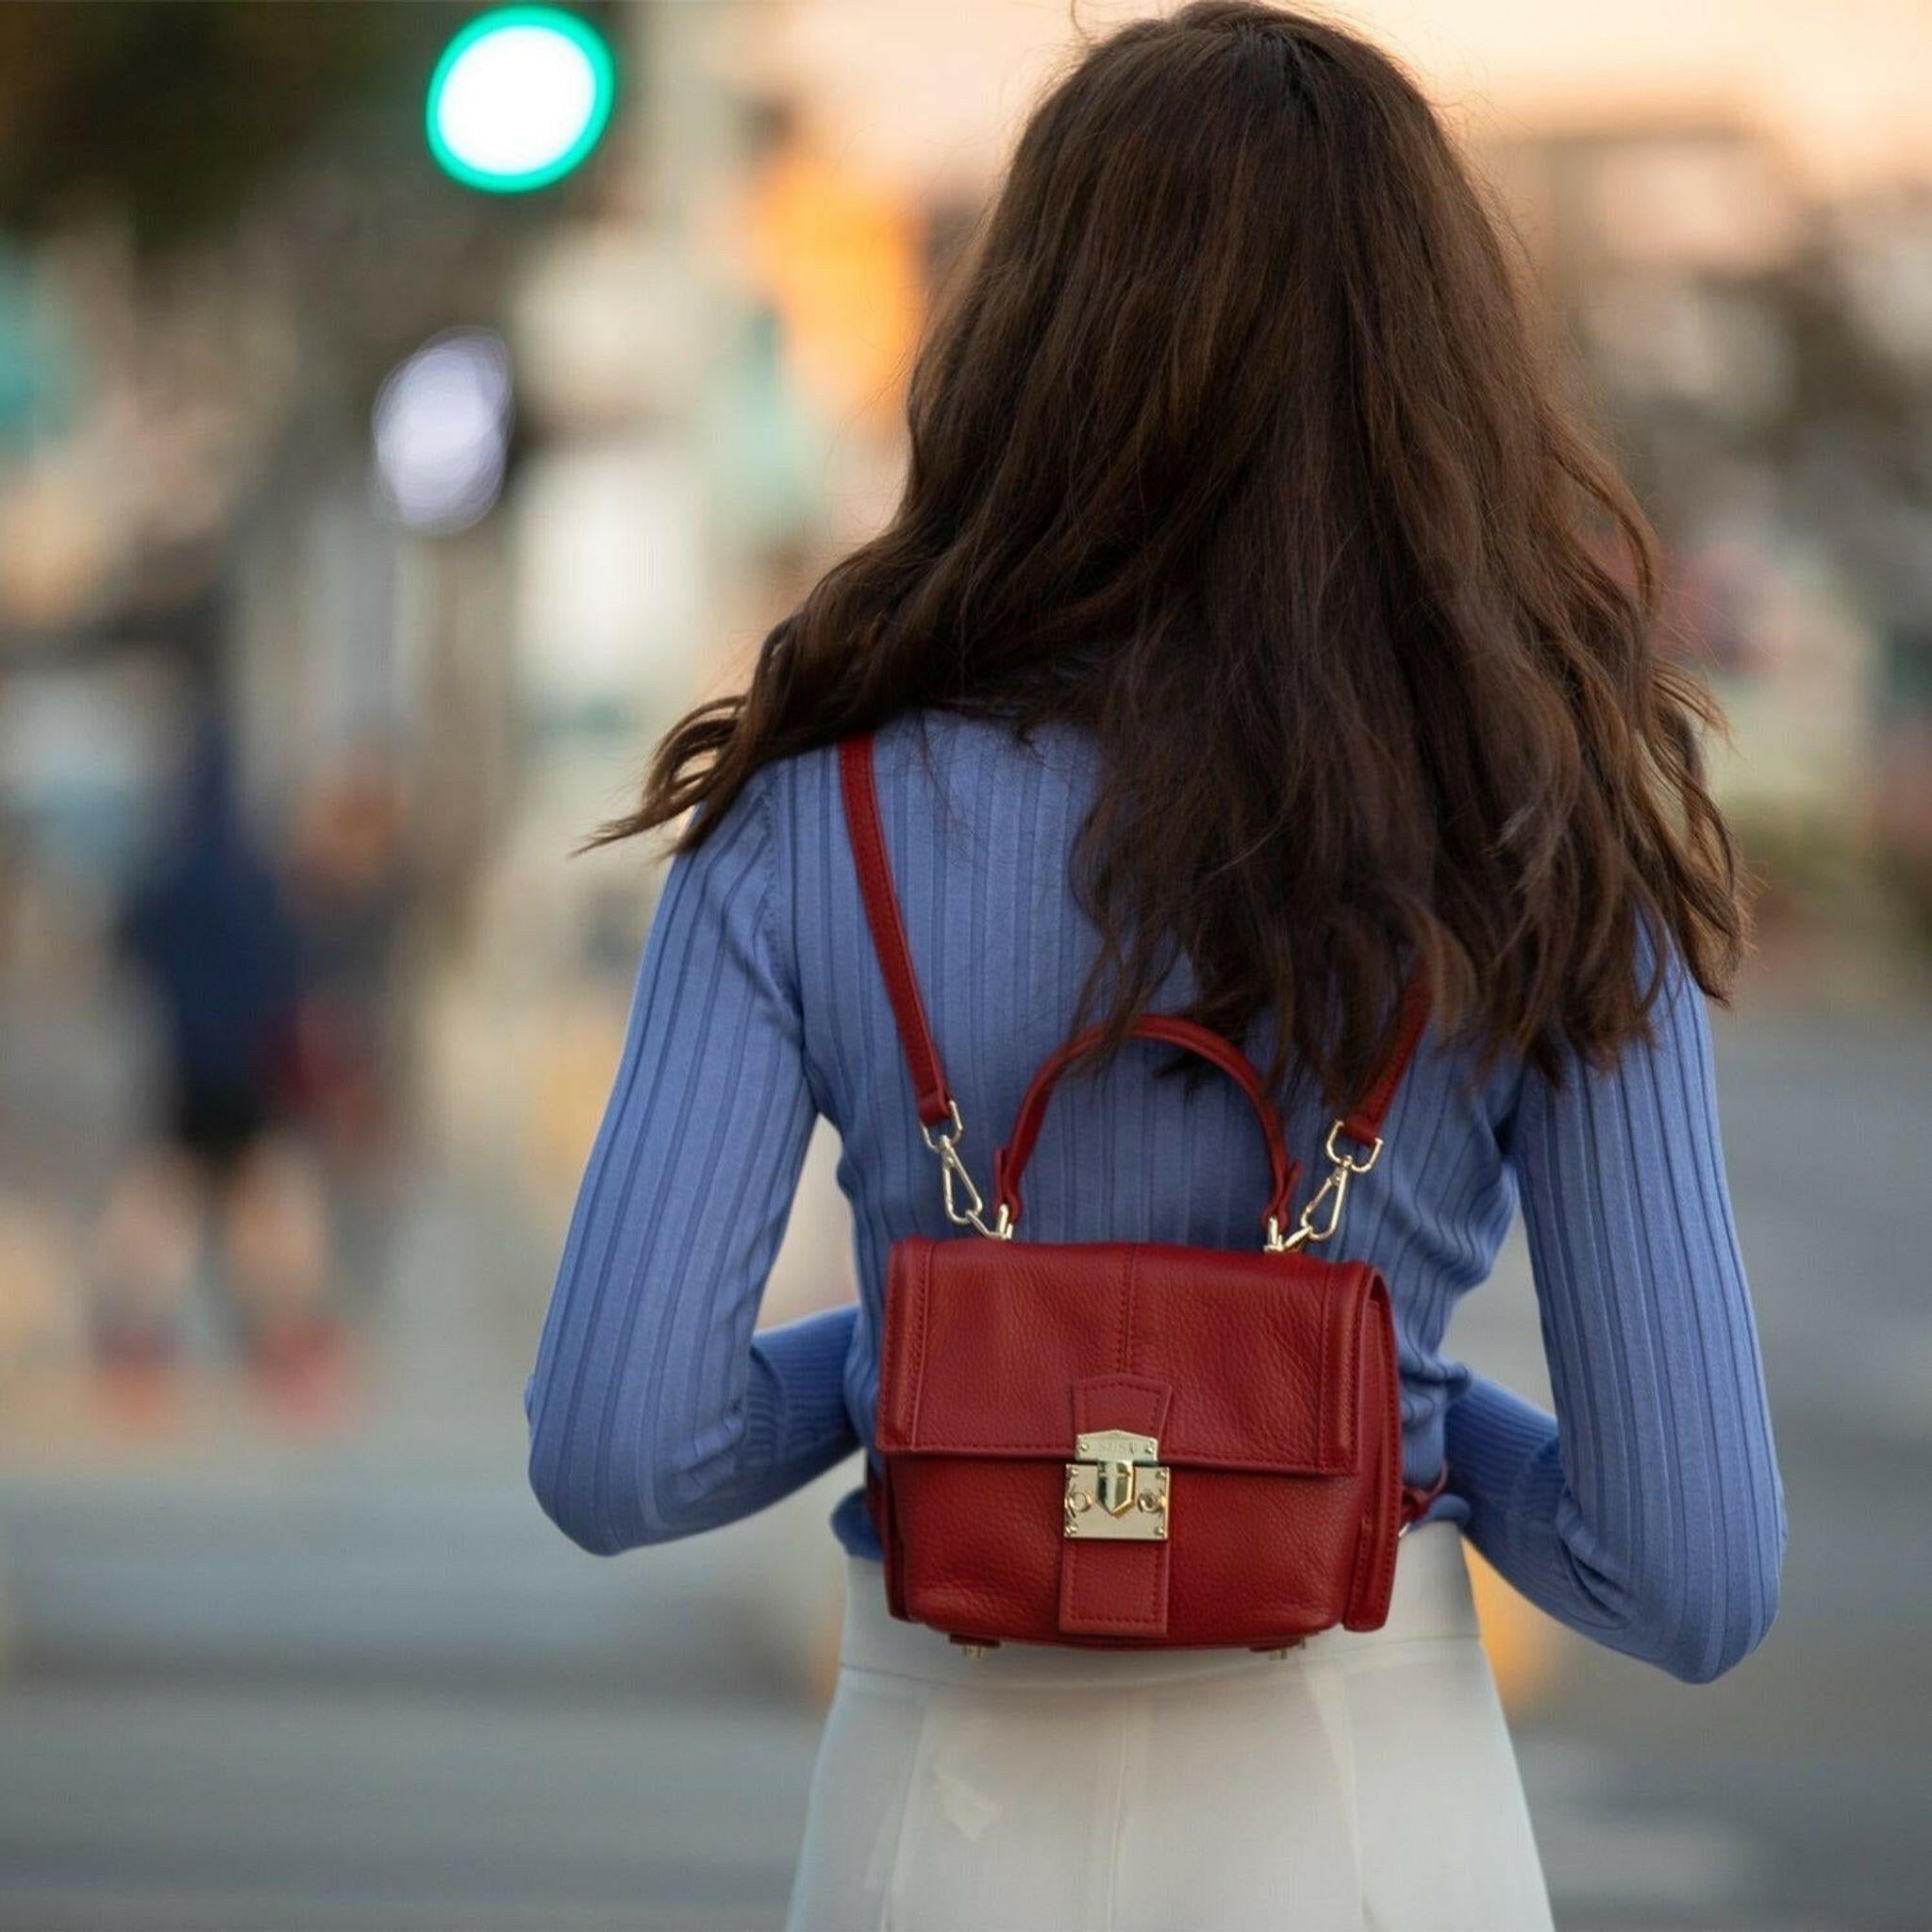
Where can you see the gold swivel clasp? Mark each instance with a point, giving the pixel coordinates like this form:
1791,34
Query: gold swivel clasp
1322,1215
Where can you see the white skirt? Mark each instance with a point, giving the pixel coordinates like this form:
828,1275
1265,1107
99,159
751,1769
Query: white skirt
1364,1783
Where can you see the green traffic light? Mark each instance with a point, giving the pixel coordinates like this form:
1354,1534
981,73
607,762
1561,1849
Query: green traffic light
519,98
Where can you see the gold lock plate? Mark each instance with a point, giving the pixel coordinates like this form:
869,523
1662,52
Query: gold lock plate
1118,1489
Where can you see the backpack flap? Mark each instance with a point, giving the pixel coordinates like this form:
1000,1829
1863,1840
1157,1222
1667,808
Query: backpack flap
1059,1420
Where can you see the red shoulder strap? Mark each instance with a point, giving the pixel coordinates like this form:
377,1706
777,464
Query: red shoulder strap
868,838
1364,1122
934,1099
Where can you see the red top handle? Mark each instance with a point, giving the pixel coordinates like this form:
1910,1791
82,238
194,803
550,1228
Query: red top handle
1009,1163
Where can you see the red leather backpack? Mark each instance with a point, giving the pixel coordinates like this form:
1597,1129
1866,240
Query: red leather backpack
1120,1443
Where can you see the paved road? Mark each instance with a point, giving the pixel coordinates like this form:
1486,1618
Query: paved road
367,1689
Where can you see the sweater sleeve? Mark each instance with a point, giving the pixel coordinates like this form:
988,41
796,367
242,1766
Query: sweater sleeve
1649,1512
655,1410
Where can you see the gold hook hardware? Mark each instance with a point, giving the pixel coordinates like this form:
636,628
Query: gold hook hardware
1334,1192
957,1185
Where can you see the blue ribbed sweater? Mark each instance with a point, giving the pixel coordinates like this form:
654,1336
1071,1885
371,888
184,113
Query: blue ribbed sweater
1648,1513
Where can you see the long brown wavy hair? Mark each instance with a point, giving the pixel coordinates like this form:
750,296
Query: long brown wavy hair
1230,445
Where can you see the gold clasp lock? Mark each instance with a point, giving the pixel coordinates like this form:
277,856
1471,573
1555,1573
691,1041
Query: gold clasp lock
1118,1488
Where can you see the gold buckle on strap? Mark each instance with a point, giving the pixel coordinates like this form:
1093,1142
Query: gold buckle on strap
1118,1489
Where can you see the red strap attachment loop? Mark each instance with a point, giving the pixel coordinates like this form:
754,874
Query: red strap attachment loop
1417,1499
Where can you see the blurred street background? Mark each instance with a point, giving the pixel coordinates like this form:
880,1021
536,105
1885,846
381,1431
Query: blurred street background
375,483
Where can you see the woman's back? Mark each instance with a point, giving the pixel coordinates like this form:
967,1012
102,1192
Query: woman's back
760,1005
1255,636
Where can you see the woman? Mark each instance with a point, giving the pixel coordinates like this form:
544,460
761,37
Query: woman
1252,627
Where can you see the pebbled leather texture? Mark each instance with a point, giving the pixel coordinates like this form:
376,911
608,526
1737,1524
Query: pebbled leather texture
1273,1378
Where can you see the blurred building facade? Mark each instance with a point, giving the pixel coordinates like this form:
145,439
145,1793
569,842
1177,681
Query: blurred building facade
703,340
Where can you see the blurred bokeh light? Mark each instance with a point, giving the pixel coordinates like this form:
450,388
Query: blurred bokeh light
519,98
442,425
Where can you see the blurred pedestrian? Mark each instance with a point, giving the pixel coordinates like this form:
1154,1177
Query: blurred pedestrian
209,932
